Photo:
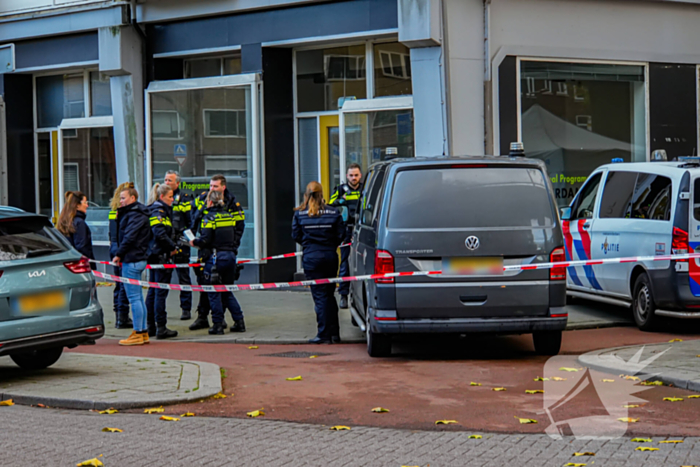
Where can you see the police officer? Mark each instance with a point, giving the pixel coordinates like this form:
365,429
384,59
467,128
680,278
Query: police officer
121,304
320,229
348,194
218,184
161,250
219,237
183,205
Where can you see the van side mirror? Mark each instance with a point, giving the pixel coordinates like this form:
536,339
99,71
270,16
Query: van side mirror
565,213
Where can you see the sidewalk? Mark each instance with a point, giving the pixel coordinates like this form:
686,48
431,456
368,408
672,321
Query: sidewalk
676,363
83,381
287,317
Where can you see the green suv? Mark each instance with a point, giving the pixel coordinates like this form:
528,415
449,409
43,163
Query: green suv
48,299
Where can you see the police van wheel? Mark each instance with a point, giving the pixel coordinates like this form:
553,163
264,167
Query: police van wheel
643,307
547,342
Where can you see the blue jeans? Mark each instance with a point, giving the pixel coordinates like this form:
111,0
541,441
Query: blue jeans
135,295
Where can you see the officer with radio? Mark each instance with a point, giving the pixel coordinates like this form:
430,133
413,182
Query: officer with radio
348,195
220,237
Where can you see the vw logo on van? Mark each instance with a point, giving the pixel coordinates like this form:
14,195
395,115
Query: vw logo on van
472,242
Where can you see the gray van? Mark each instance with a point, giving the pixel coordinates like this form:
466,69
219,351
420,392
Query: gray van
468,217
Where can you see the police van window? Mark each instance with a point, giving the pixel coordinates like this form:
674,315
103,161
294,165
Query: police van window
696,199
365,194
617,195
652,198
371,199
587,198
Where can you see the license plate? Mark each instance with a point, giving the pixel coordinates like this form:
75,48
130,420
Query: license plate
48,301
473,266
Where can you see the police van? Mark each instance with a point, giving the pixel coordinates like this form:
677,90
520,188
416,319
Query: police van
637,209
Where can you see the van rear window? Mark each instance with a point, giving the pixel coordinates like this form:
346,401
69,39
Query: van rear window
470,198
28,237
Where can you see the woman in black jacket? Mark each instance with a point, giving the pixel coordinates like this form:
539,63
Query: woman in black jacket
71,223
121,303
134,235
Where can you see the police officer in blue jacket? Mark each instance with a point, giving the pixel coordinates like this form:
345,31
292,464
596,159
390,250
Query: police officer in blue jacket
121,304
320,229
71,223
220,239
161,250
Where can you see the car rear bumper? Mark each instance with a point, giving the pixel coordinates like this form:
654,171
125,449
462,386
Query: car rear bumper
70,338
672,290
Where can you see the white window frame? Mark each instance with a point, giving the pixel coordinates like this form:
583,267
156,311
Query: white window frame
359,60
254,82
207,130
387,55
71,164
221,59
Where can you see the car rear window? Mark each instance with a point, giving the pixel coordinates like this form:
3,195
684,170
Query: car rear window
27,238
470,197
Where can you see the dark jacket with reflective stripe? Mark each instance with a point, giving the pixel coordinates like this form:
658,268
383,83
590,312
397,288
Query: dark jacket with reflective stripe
323,232
232,206
345,195
162,227
218,231
134,233
183,207
81,239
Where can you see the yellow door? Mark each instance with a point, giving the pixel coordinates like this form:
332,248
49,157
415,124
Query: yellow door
329,153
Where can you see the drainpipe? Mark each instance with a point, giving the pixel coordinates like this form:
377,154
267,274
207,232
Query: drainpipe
488,88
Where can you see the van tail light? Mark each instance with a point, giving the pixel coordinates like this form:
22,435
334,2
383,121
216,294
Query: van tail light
1,273
679,243
557,273
81,266
383,264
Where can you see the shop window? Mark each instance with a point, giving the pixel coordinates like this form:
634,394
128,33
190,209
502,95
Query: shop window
224,123
578,116
217,66
326,77
652,198
308,153
59,97
392,70
100,95
44,173
377,135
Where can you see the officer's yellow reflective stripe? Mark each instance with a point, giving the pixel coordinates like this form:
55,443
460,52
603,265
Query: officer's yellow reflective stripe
157,220
334,196
112,215
352,196
225,223
239,217
182,207
209,225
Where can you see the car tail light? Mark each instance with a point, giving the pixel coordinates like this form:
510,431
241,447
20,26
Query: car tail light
1,273
557,273
93,330
79,267
679,243
383,264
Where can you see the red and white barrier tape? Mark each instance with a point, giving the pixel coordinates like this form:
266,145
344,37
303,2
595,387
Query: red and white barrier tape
337,280
199,265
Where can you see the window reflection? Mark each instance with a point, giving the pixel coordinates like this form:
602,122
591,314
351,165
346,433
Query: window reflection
375,136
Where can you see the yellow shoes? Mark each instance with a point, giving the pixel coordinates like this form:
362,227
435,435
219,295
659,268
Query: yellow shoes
136,338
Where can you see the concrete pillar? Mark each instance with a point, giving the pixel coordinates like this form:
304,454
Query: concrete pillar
121,57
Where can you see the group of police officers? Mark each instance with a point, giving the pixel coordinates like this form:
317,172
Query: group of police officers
220,221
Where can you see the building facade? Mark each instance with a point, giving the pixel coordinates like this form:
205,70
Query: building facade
275,94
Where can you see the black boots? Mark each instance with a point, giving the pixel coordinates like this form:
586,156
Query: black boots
185,315
123,321
202,322
217,328
343,302
238,326
164,333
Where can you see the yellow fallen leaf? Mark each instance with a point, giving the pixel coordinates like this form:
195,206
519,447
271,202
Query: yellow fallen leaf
671,441
295,378
6,403
572,464
534,391
498,389
154,410
673,399
256,413
525,421
109,411
475,436
628,420
445,422
474,384
645,448
556,378
313,356
111,430
633,378
608,380
568,369
641,440
339,428
219,396
188,414
539,378
94,462
676,340
379,410
253,347
631,406
169,419
694,397
579,454
652,383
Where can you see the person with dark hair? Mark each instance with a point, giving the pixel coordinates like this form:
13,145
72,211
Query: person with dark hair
218,184
348,194
121,303
71,223
220,239
161,250
134,236
319,229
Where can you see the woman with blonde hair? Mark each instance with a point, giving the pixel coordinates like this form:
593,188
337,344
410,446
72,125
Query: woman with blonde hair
71,223
121,303
320,229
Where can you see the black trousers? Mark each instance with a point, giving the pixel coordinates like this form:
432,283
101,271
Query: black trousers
323,265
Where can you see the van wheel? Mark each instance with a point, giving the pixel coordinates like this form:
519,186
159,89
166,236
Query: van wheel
37,359
547,342
378,345
643,307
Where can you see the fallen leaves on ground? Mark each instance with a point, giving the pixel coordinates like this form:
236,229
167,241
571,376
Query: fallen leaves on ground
628,420
379,410
571,370
671,441
534,391
539,378
252,347
154,410
6,403
646,448
169,419
94,462
219,396
641,440
572,464
633,378
673,399
675,340
694,397
256,413
188,414
631,406
111,430
474,384
525,421
475,436
652,383
556,378
339,428
579,454
313,356
498,389
608,380
294,378
109,411
446,422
